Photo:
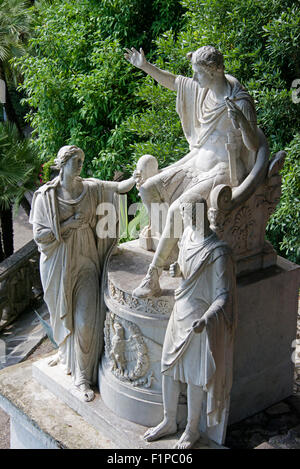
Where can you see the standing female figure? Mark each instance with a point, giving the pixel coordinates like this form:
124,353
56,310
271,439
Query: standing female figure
72,262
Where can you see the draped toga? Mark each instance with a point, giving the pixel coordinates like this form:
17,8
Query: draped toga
71,270
201,119
203,359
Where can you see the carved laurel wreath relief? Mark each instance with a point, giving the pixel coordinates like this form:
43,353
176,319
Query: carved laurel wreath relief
126,351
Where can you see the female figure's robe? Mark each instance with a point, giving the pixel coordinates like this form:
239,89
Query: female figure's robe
71,269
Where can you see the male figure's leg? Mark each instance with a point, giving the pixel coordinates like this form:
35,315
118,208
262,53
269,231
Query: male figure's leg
191,434
150,194
169,238
168,426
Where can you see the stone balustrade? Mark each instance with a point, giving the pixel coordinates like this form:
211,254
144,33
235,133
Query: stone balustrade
20,282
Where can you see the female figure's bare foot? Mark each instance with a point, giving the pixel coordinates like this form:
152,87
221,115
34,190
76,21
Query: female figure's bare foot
166,427
187,439
54,360
87,394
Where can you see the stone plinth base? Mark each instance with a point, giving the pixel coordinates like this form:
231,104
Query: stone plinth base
267,326
45,414
137,405
129,374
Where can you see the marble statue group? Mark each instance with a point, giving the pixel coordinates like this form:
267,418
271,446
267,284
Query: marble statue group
219,122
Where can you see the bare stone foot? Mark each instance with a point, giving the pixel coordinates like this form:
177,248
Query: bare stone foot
54,360
187,439
87,394
163,429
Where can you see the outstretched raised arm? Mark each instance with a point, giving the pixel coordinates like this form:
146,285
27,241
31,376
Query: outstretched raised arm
163,77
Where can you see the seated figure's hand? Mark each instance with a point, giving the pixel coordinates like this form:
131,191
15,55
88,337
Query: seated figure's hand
235,114
174,270
136,58
198,325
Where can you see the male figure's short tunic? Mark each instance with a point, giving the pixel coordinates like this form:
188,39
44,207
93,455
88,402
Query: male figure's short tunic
203,359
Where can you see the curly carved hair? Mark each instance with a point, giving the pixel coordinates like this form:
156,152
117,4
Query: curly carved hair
207,57
65,153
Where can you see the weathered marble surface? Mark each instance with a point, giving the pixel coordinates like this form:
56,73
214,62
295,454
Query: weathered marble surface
226,149
64,215
123,434
42,419
266,329
135,397
38,419
20,283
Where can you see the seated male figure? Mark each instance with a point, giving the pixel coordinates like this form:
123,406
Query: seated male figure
215,110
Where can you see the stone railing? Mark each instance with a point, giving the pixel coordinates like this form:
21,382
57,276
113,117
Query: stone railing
20,283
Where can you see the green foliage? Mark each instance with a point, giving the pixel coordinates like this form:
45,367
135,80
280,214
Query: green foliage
18,166
15,24
261,47
15,21
284,226
80,89
140,221
46,170
158,128
130,230
78,84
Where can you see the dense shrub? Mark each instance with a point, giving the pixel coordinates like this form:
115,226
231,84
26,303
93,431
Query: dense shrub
284,227
78,84
82,91
261,45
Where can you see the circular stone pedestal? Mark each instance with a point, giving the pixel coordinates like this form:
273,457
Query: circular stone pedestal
129,374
